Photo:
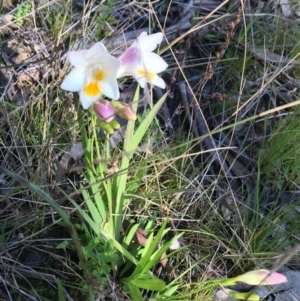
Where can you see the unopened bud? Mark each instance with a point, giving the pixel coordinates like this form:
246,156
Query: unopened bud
115,124
106,127
124,110
104,110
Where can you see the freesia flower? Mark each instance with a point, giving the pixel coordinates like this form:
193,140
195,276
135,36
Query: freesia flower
104,110
140,62
94,74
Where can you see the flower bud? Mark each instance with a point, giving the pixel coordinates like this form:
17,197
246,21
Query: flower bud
261,277
115,124
106,127
124,110
104,110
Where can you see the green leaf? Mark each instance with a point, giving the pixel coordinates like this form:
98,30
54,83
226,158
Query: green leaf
92,208
64,244
120,248
134,292
140,132
60,290
86,217
170,291
152,284
131,142
149,250
129,236
122,177
156,257
243,296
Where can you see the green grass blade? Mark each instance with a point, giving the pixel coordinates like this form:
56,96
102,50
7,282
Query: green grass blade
65,217
86,217
91,207
140,132
60,291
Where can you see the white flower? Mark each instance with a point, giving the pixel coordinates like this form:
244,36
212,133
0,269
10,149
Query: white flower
140,62
94,74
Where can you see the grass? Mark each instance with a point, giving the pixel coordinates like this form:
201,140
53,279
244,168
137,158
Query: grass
78,233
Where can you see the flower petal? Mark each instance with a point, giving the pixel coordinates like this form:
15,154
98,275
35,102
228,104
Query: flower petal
131,56
76,58
159,82
110,88
86,101
111,65
142,76
140,79
96,51
154,62
73,81
123,71
149,43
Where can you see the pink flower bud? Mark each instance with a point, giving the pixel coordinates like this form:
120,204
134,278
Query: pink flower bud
124,110
104,110
261,277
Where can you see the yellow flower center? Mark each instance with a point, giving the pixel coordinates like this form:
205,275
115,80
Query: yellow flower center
99,75
148,74
92,89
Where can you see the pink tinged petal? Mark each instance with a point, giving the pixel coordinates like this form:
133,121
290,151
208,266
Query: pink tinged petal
104,110
77,58
131,56
73,82
154,62
261,277
149,43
